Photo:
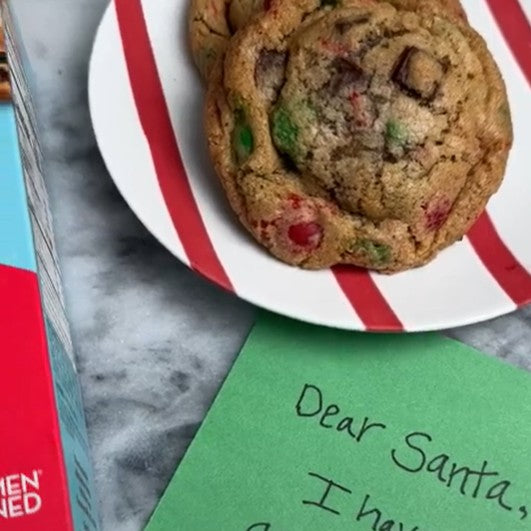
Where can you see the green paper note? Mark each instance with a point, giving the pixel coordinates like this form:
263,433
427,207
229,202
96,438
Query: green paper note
317,429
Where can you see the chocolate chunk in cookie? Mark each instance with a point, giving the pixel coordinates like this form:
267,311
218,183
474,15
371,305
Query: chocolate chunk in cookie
269,72
418,73
347,76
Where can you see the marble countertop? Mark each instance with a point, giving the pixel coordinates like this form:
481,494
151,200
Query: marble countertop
154,341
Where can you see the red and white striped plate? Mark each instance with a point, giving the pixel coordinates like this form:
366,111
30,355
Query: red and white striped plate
146,106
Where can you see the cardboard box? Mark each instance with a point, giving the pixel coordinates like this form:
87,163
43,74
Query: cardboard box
45,472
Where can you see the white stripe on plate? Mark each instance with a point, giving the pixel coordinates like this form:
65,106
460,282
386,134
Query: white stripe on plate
526,8
124,148
510,208
315,297
456,279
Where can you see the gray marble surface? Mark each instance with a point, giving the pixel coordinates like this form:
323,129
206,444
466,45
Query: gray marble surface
153,340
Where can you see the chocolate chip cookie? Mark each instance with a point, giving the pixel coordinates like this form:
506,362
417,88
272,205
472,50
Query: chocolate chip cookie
213,22
5,90
362,133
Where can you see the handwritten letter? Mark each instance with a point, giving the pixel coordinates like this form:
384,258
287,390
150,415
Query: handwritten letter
317,429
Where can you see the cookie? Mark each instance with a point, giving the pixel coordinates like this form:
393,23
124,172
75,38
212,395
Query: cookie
5,90
213,22
211,25
365,134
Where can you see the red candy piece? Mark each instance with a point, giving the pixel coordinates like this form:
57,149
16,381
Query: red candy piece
334,47
354,97
295,200
437,213
308,234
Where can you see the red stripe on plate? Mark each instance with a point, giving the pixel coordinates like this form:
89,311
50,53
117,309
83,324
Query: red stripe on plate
515,27
366,299
498,259
155,120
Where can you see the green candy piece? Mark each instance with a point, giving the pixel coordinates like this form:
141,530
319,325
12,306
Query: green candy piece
242,137
378,253
285,132
396,133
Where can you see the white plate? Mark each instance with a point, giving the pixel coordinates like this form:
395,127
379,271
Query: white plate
146,106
